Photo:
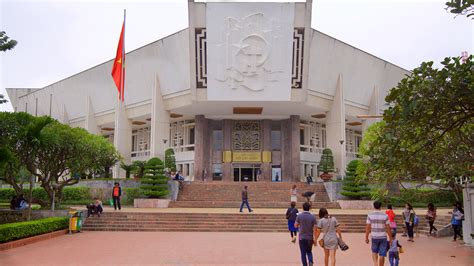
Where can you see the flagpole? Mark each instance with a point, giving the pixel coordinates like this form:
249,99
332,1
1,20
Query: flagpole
122,87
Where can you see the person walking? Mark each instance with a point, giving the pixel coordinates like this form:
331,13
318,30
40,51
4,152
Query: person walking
391,218
330,228
307,195
456,220
293,194
116,194
378,226
409,219
245,199
393,254
431,217
309,179
291,214
306,222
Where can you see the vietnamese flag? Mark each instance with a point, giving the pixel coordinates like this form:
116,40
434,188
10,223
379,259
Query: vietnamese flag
118,70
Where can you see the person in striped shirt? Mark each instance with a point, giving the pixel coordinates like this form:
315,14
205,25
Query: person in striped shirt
378,225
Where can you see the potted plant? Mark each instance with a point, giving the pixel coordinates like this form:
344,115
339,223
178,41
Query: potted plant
326,165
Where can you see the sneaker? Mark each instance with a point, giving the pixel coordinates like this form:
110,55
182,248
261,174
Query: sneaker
251,211
294,239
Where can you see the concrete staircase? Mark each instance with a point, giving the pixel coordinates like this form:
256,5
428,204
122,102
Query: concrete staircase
261,195
221,222
205,222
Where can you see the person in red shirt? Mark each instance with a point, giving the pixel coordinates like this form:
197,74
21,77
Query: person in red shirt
116,194
391,218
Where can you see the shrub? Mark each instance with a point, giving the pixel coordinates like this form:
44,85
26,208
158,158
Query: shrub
353,188
154,183
14,231
76,193
326,164
130,194
6,194
421,197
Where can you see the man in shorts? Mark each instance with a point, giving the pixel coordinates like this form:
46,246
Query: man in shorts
306,222
378,225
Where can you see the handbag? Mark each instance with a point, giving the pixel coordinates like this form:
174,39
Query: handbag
321,242
401,250
342,245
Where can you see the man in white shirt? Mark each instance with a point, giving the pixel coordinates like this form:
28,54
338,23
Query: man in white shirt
378,225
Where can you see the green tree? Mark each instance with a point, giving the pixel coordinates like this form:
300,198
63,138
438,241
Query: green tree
461,7
326,164
428,129
353,187
54,153
6,43
154,184
128,168
139,168
170,160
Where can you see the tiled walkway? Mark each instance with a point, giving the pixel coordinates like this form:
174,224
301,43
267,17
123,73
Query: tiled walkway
163,248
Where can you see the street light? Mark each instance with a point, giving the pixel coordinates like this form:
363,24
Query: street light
164,154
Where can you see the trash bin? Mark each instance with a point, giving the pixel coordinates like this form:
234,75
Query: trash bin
75,221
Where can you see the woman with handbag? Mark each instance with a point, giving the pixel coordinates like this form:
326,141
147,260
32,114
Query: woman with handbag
330,228
409,219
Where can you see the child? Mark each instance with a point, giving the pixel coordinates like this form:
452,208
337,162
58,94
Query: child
291,214
393,254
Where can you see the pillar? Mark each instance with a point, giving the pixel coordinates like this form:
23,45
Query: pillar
90,124
227,166
160,123
266,167
122,137
336,128
468,223
295,148
374,109
202,148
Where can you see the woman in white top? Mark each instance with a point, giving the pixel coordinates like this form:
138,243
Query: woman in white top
293,194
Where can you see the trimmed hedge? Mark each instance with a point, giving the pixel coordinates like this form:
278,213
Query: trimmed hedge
131,194
421,198
14,231
69,194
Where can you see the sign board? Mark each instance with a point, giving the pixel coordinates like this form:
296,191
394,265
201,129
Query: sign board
246,156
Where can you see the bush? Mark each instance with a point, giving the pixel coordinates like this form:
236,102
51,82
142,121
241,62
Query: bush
69,194
154,184
76,193
421,197
14,231
131,194
353,188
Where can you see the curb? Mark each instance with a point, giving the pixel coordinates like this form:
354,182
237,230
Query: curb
31,240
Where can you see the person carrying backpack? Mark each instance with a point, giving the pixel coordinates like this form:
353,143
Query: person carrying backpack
291,214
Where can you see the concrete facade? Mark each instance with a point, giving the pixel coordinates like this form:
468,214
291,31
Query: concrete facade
192,90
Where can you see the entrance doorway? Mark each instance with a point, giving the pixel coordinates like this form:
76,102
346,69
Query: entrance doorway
246,172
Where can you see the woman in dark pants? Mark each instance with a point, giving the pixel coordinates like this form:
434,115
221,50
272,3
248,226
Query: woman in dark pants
431,217
456,220
409,219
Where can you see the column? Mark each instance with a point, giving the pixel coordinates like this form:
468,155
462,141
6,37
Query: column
122,138
227,165
374,109
336,128
160,123
202,148
90,124
266,167
295,148
285,150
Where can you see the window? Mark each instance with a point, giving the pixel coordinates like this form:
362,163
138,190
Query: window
217,140
191,135
217,171
301,136
276,140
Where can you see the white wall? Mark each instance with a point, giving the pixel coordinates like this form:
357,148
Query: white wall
361,71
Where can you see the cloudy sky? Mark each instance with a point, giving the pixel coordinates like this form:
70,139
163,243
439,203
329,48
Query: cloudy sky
57,39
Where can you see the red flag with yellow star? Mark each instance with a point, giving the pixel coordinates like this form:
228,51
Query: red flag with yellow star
118,70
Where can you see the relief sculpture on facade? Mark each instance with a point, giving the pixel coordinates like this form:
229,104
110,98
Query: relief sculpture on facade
248,44
246,136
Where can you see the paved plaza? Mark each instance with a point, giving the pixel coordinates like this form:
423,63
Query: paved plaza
166,248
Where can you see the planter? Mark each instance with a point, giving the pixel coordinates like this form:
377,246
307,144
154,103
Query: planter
31,240
151,203
356,204
326,177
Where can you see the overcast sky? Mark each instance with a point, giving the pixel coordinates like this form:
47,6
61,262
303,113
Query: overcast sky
57,39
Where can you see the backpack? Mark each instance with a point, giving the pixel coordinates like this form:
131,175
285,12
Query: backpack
416,220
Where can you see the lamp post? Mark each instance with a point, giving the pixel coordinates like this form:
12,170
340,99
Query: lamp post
164,153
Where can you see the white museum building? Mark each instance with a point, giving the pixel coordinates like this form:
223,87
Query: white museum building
246,89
